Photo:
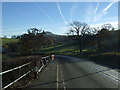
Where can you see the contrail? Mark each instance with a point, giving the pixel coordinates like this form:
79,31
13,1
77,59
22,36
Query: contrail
96,8
44,13
103,12
94,19
105,9
61,13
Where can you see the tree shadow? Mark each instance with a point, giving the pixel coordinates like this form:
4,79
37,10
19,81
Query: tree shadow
82,76
112,65
42,84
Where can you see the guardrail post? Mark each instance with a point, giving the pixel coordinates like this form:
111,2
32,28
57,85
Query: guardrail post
1,82
19,72
49,58
42,62
30,67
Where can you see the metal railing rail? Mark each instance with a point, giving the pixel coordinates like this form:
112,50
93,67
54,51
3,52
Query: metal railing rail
16,80
23,74
14,68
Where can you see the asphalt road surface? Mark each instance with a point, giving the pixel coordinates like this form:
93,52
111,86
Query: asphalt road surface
70,72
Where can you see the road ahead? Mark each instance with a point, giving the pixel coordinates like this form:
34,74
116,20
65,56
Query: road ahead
69,72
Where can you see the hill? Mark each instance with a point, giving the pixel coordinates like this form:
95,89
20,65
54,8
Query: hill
58,39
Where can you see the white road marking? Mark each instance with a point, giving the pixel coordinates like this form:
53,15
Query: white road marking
62,78
109,75
105,73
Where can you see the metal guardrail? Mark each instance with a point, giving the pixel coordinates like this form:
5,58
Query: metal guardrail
44,61
14,68
16,80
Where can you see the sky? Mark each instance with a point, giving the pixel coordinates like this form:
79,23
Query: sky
55,17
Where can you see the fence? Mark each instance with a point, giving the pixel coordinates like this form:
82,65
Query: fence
19,72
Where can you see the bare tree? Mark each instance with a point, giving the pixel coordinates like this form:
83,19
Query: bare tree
93,31
78,29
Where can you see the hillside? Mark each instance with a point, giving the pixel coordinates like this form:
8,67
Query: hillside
57,38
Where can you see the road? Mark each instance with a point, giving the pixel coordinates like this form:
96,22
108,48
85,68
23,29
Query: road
70,72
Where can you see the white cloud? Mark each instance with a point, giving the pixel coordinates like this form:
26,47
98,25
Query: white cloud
61,13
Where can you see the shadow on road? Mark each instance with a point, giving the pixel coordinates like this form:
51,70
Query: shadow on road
114,65
106,63
82,76
42,84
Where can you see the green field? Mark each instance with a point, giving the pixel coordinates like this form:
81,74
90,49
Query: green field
73,50
61,49
8,40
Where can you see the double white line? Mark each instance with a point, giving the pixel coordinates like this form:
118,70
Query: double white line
62,78
58,77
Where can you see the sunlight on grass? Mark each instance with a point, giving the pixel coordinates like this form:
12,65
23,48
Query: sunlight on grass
8,40
51,47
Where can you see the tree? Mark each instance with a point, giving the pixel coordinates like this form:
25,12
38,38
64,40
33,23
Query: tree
4,36
103,36
14,37
31,42
78,30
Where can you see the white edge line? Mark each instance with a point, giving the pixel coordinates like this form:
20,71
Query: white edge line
111,76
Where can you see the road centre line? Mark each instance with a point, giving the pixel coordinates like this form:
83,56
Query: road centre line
62,78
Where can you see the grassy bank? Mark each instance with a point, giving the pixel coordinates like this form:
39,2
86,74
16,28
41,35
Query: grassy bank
8,40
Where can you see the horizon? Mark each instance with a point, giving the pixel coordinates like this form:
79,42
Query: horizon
55,16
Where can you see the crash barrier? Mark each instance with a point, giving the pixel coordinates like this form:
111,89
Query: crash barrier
40,64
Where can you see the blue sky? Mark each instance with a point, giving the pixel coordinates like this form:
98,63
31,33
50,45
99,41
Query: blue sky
17,17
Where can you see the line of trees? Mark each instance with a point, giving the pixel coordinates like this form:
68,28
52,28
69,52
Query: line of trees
100,37
103,38
29,43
